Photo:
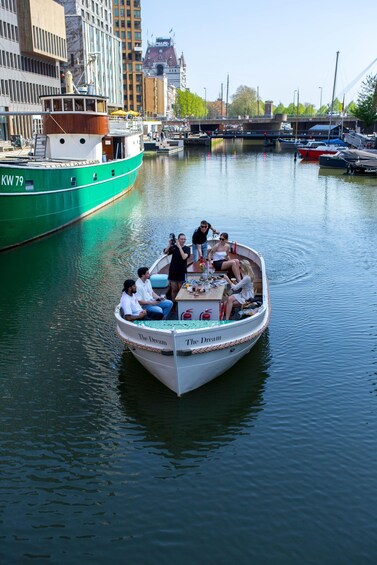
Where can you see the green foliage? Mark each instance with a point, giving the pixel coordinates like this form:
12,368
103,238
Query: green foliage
350,109
244,102
322,111
280,109
309,110
188,104
366,106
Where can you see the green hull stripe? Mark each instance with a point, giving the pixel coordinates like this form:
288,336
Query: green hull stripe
31,192
25,219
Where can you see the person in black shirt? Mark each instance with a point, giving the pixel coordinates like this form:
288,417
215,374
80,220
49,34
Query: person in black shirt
178,266
199,240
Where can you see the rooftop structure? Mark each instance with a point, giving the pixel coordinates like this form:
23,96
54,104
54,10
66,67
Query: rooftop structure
161,60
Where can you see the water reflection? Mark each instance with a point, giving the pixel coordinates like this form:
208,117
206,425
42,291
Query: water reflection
186,428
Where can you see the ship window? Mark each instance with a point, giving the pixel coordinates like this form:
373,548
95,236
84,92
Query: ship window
73,181
68,105
79,104
100,106
112,173
82,141
62,140
94,176
47,104
29,185
91,105
57,104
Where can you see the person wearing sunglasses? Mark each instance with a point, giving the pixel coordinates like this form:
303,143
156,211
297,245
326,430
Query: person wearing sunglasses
219,254
199,240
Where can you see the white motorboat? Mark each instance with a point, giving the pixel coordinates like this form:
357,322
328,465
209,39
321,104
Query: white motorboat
187,353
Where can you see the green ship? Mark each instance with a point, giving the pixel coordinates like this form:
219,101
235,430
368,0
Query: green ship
84,160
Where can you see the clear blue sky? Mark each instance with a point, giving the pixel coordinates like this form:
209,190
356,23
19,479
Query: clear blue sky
276,45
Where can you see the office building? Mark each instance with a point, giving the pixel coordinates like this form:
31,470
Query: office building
33,43
94,52
127,26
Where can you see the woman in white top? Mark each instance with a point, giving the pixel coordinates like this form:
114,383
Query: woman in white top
219,255
246,285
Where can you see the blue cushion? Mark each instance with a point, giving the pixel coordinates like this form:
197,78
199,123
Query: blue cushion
159,281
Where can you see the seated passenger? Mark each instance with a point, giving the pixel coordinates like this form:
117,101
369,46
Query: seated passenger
246,285
219,255
131,308
148,299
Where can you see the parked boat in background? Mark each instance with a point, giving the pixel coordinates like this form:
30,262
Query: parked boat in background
347,158
313,149
84,160
289,144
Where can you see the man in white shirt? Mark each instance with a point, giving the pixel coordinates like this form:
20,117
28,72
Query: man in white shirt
154,304
131,308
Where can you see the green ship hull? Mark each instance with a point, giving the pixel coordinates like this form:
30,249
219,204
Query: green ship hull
37,200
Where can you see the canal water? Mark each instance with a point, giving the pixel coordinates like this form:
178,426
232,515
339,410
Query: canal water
275,461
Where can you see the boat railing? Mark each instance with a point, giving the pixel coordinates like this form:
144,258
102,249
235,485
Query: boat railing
125,127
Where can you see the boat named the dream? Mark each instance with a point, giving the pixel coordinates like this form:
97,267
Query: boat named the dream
84,160
187,353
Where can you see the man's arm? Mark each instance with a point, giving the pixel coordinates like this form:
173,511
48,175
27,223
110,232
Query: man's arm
131,318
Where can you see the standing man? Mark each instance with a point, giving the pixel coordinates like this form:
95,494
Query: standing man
178,265
199,240
131,308
148,299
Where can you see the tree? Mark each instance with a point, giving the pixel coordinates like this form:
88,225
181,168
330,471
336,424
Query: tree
280,109
189,104
216,109
366,106
309,109
244,102
322,110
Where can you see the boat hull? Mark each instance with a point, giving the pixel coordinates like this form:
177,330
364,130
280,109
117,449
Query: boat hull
183,367
37,200
314,154
332,162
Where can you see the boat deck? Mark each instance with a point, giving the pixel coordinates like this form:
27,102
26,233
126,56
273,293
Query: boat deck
25,161
194,267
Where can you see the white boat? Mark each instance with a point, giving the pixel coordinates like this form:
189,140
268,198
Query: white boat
186,354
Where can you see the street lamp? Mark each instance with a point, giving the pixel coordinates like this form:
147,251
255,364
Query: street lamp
205,100
320,97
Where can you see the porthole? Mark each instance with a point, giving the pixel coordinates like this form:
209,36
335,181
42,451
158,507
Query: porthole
94,176
62,140
82,141
73,181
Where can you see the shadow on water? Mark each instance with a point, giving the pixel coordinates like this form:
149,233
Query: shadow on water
204,419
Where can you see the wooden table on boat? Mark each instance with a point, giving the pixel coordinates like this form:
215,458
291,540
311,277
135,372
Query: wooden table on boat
200,304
